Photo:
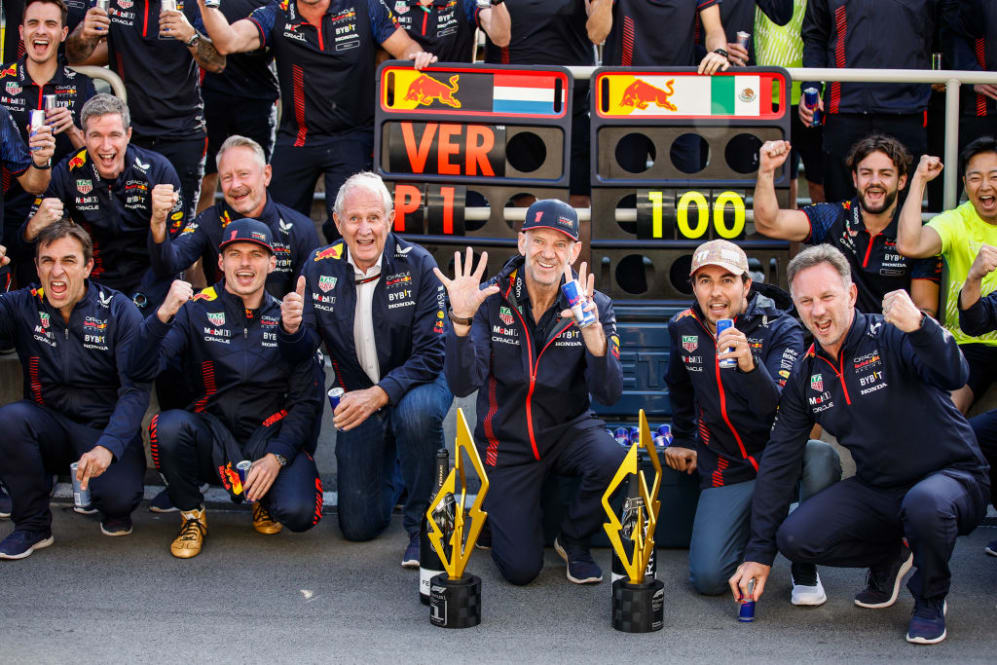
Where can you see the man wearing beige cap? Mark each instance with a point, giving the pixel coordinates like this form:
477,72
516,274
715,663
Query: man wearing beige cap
735,407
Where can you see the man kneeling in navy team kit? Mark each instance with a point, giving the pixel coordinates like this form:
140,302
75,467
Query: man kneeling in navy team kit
880,384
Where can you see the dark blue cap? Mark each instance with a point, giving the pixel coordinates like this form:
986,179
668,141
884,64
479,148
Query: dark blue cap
552,214
246,230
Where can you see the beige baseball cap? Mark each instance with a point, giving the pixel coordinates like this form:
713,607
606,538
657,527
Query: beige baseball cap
722,253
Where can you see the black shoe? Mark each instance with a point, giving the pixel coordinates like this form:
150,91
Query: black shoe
883,582
990,549
6,503
927,623
116,526
162,503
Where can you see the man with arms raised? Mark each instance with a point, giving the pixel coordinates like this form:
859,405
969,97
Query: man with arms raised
534,370
879,383
864,228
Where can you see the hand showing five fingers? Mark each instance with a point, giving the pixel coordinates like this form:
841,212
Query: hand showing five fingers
464,290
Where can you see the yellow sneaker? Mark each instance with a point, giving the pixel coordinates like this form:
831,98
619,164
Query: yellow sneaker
262,521
193,529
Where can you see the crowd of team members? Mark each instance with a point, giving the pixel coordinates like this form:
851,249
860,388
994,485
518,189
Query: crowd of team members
237,372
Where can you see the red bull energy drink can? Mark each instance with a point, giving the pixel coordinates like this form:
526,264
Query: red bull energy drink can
103,5
622,436
37,119
81,497
50,102
335,394
575,295
743,39
746,608
213,3
811,96
722,325
242,468
663,436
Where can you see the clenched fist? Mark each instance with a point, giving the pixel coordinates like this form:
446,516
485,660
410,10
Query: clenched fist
180,292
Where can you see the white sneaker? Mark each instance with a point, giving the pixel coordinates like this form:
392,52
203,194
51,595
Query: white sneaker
809,596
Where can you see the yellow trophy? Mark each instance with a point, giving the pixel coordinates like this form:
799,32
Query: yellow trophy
638,598
455,598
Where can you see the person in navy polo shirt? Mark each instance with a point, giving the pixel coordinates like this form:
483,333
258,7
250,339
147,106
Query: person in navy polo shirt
115,191
24,83
157,54
325,51
73,337
863,228
245,176
879,383
374,300
534,371
446,27
248,83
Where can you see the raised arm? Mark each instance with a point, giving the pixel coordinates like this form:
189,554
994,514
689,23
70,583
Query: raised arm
497,24
244,35
770,220
913,238
600,20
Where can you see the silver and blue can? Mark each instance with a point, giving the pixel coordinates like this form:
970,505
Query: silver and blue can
81,497
743,39
50,102
335,394
722,325
103,5
576,301
633,434
622,436
746,608
216,4
37,119
663,436
242,468
811,96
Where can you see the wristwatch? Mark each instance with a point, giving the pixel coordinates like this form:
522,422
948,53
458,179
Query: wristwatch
459,319
281,460
193,40
720,51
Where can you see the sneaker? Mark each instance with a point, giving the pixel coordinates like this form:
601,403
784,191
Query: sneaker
411,557
162,503
927,623
990,549
6,503
193,529
807,589
116,526
883,582
262,521
582,568
20,544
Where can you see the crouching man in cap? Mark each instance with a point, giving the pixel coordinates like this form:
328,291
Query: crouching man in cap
73,337
253,405
534,369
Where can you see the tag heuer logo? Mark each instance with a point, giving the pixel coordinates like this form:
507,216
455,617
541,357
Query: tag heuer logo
125,4
401,6
217,318
13,88
84,186
817,383
505,315
690,342
326,283
44,318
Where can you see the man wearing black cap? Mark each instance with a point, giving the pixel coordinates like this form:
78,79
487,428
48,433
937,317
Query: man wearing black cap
253,404
514,342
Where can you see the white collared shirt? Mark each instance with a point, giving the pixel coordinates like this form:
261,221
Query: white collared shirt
363,320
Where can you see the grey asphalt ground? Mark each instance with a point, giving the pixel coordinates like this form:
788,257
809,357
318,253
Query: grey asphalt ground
314,598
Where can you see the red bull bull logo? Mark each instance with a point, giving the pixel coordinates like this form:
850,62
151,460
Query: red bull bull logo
230,478
332,252
79,160
10,71
640,93
426,90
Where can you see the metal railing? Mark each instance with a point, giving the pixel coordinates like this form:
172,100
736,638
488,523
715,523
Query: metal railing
104,74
